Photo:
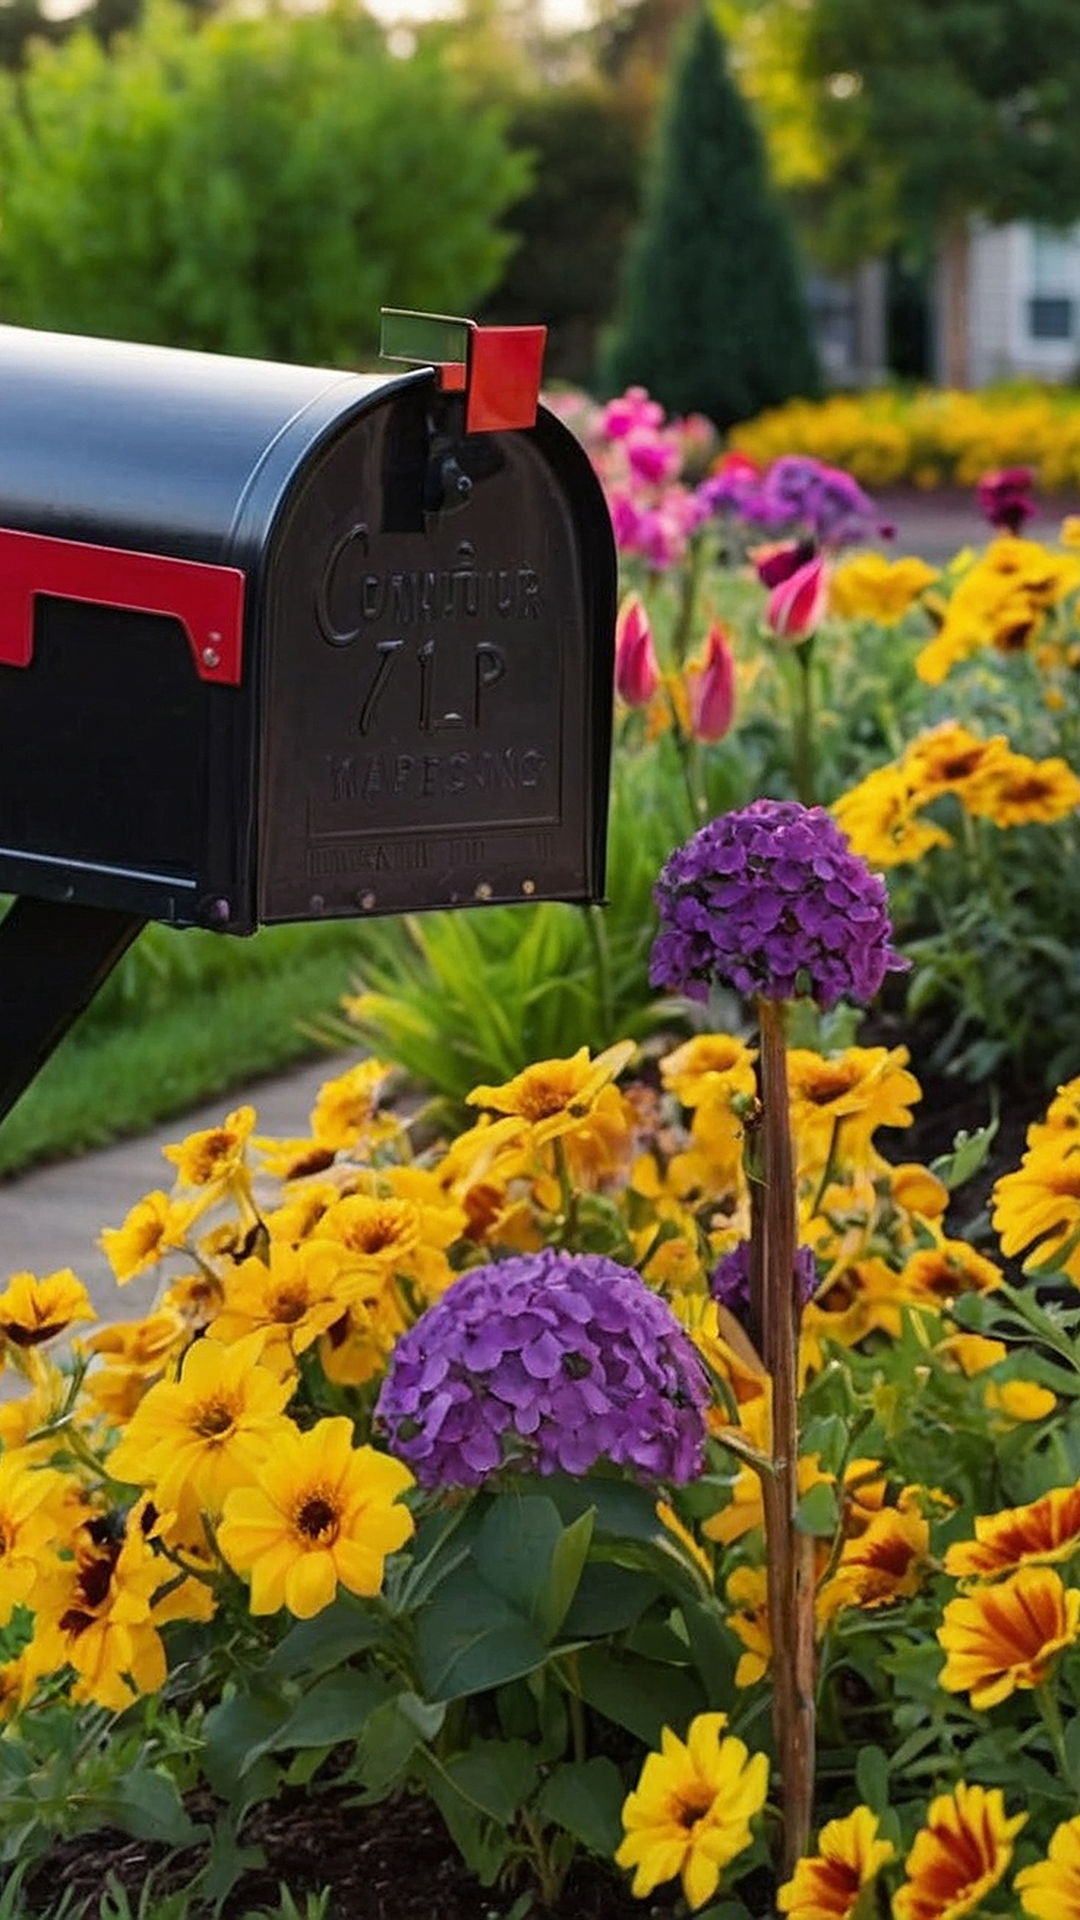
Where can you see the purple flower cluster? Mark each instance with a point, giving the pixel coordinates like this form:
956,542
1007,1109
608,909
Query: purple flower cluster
545,1362
729,1282
1005,495
796,494
772,901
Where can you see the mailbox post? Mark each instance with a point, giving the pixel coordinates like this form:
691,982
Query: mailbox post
283,643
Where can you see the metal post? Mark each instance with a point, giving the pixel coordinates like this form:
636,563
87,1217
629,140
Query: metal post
53,959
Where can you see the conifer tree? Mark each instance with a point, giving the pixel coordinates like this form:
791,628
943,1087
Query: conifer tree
713,317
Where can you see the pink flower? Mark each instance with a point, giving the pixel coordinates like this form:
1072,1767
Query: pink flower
632,411
797,604
637,674
780,560
653,458
626,520
711,688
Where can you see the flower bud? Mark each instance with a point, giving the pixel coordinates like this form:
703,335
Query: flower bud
711,688
637,674
797,604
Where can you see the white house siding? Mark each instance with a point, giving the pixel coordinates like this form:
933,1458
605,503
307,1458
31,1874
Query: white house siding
1011,267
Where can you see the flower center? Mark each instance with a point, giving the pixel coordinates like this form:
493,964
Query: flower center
289,1305
317,1517
690,1804
213,1419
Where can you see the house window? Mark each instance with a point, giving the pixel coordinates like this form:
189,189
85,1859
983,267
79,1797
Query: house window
1055,272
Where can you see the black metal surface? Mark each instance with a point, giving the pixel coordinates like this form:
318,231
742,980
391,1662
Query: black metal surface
449,744
438,710
53,958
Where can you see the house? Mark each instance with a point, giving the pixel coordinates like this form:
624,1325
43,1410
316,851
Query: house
1023,305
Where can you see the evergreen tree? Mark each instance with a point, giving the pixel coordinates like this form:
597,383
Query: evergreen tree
713,317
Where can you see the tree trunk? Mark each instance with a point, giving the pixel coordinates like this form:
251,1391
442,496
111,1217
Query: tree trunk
955,273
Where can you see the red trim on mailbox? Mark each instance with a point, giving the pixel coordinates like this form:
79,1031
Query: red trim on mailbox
207,600
505,364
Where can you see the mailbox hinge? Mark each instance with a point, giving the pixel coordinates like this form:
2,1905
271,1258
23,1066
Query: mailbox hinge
497,368
207,600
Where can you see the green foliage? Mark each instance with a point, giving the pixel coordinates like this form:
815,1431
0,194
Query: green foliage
571,225
938,109
256,185
713,318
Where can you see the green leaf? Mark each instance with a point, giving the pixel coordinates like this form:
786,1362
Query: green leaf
525,1554
317,1646
471,1638
817,1511
146,1803
335,1710
969,1150
872,1778
586,1798
608,1599
237,1732
390,1736
641,1695
495,1776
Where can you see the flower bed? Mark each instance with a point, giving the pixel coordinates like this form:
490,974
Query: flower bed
656,1474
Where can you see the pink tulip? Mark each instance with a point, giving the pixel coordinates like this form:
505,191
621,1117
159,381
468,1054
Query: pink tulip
797,605
711,689
637,674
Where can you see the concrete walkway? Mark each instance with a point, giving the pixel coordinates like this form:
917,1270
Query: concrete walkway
51,1217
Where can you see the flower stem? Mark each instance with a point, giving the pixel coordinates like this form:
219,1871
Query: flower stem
802,743
790,1553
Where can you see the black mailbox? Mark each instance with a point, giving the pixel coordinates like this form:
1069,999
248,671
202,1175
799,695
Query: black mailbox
278,643
282,643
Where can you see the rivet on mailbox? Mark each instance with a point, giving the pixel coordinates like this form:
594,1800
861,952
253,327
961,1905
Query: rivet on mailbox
282,642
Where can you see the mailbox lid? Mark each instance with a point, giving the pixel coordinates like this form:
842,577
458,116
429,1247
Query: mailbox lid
438,682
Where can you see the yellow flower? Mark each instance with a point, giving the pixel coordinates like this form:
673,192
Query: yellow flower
1050,1889
691,1810
33,1310
31,1518
1045,1530
134,1353
195,1438
746,1591
879,819
1021,791
951,759
213,1158
859,1090
883,1563
556,1096
706,1065
939,1273
963,1850
1069,531
1040,1203
1004,1637
154,1225
1014,1401
347,1105
828,1885
874,588
96,1619
321,1512
292,1298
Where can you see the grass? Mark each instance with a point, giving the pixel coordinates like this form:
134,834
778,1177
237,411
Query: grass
201,1024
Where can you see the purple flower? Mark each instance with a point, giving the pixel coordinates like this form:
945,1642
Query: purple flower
1004,495
802,496
729,1282
772,901
545,1362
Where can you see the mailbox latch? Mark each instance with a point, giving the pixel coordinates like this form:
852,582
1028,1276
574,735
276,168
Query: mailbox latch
496,368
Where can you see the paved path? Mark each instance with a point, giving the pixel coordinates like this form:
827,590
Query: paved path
51,1217
937,525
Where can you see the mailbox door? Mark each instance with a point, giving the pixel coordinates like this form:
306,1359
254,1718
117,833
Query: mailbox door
438,671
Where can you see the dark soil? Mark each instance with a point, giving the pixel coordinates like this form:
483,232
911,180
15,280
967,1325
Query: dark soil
388,1862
